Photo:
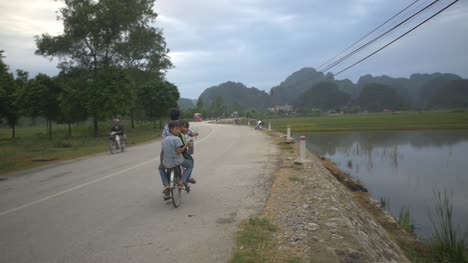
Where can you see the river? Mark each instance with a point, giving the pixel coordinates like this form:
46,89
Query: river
404,168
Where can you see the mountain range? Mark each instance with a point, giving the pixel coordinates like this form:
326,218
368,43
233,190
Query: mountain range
308,88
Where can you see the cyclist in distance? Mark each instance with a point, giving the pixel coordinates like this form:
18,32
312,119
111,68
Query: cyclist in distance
117,129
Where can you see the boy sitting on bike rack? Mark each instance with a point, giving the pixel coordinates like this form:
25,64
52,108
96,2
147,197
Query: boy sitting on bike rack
187,153
171,156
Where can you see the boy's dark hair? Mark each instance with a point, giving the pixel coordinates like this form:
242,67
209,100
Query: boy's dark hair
184,124
173,124
174,114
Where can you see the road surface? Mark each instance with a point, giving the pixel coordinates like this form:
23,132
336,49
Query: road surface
109,208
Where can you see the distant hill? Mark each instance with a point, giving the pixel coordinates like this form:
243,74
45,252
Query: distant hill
300,81
235,93
453,95
184,103
324,96
416,92
295,85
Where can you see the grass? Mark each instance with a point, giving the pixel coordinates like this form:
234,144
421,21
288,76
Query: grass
449,243
374,122
405,219
256,243
32,147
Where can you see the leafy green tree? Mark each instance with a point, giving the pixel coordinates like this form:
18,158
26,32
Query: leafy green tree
41,97
157,97
218,107
109,94
8,97
71,98
101,37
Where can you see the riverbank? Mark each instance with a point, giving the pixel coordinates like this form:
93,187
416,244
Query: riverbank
312,217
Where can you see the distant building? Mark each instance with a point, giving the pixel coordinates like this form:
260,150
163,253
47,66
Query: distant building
281,108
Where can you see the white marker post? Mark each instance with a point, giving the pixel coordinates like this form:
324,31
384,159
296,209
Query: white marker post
302,147
269,126
288,134
248,123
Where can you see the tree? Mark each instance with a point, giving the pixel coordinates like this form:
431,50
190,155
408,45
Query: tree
71,98
103,37
109,95
157,97
218,107
41,98
8,97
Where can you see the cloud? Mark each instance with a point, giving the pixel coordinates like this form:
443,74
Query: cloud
260,42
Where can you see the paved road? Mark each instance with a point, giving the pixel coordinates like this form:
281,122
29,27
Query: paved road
109,208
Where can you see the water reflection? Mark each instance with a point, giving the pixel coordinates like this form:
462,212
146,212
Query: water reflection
403,167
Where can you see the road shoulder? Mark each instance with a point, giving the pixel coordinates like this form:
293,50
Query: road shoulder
318,219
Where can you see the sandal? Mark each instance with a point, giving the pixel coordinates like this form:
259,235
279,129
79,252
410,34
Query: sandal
167,190
181,185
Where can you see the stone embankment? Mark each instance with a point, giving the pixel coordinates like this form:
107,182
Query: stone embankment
319,218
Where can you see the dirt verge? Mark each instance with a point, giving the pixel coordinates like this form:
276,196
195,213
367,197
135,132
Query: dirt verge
319,219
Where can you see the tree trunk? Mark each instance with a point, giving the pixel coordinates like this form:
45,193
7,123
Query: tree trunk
95,124
13,131
49,124
132,118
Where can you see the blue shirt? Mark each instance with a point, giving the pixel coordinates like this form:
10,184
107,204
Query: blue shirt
170,156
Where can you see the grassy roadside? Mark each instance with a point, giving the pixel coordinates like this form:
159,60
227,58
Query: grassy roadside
32,147
256,240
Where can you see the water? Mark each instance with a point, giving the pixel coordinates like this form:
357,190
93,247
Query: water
404,168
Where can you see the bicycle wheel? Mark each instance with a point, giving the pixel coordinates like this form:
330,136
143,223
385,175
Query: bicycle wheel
123,144
111,146
176,192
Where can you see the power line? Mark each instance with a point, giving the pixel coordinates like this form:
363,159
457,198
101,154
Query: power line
388,20
396,38
336,63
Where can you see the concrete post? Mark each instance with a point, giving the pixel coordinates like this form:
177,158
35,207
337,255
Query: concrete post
302,148
248,123
288,134
269,126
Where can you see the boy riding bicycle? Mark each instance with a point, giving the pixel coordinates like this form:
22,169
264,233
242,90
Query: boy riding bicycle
171,156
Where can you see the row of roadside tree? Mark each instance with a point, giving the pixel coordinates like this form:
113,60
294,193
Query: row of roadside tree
112,62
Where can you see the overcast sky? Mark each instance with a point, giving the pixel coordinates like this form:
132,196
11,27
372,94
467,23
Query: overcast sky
261,42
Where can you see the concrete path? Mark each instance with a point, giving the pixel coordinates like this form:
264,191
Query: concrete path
109,208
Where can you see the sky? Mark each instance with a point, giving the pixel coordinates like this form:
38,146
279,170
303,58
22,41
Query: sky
261,42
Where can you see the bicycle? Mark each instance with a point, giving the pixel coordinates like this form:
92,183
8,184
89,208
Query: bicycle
175,175
117,142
